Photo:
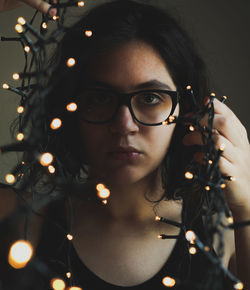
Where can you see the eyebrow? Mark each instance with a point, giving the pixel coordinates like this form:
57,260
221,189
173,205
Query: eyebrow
151,84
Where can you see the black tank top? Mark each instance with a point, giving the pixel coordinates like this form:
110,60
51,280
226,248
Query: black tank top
189,271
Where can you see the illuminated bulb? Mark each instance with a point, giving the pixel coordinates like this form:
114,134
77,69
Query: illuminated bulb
16,76
74,288
88,33
46,159
188,87
189,175
5,86
222,147
212,94
21,20
164,122
210,161
55,17
20,109
171,118
104,201
20,136
239,285
68,274
71,62
191,128
20,254
168,281
80,3
23,162
159,236
72,107
19,28
230,220
192,250
55,124
10,178
224,97
51,169
104,193
69,237
57,284
27,48
44,25
100,186
207,187
232,178
223,185
207,248
190,236
157,218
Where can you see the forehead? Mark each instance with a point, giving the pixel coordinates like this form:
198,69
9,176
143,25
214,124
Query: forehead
126,66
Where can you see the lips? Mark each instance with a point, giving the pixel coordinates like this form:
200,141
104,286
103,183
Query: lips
125,153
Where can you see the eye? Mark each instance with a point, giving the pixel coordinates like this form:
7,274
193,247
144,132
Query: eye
149,98
97,98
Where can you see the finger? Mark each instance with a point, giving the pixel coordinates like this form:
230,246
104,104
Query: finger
41,6
195,138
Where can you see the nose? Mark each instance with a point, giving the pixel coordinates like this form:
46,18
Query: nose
123,123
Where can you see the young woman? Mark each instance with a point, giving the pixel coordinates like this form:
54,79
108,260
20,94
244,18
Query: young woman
129,77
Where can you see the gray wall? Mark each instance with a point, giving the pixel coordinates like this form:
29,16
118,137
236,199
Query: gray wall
221,29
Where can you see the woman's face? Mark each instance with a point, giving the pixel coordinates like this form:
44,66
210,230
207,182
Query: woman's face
124,151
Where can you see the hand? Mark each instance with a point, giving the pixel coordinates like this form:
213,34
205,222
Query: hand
235,159
40,5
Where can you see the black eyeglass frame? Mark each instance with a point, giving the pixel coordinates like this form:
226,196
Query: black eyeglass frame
125,99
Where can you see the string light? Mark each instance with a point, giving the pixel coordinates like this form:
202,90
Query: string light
20,109
46,159
21,20
207,187
20,136
71,107
230,220
80,3
68,274
51,169
239,286
210,161
57,284
164,122
212,94
100,186
188,87
189,175
20,254
6,86
192,250
232,178
157,218
19,28
74,288
104,201
10,178
56,124
44,25
223,185
171,119
191,128
71,62
88,33
16,76
104,193
190,236
222,147
55,17
69,237
168,281
26,48
207,248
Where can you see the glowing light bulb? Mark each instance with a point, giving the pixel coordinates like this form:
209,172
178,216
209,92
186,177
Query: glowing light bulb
188,87
168,281
159,236
212,94
230,220
223,185
210,161
207,248
71,62
192,250
190,236
232,178
46,159
100,186
239,285
16,76
20,136
21,20
69,237
104,201
20,254
222,147
19,28
57,284
74,288
224,98
191,128
157,218
71,107
10,178
164,122
104,193
55,17
56,124
171,118
189,175
44,25
68,274
6,86
20,109
51,169
207,187
23,162
27,48
80,3
88,33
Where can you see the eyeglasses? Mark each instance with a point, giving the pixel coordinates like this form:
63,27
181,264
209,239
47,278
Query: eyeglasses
147,107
